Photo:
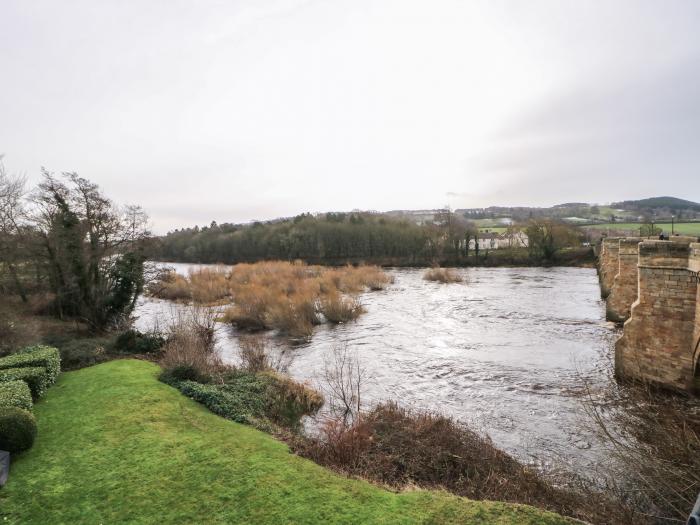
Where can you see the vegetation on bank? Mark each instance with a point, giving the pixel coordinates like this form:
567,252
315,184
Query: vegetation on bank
289,297
352,238
141,452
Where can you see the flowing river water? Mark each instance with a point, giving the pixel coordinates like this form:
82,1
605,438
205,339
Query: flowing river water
507,352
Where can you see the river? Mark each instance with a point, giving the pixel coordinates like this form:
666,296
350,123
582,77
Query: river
506,352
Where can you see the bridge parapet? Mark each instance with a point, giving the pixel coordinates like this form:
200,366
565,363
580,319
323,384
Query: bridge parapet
659,338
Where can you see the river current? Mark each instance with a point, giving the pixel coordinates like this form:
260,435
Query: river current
508,352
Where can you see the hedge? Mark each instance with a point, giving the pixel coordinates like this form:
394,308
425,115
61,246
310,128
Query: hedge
35,356
35,377
15,394
17,430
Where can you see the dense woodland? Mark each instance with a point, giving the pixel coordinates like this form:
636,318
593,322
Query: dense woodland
339,238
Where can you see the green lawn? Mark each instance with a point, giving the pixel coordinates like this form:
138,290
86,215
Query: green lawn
117,446
684,228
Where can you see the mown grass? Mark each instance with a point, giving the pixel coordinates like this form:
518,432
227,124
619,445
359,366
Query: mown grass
117,446
683,228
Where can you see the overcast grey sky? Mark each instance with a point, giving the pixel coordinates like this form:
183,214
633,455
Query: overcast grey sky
238,110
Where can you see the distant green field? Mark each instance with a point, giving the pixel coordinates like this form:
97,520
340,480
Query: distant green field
684,228
494,229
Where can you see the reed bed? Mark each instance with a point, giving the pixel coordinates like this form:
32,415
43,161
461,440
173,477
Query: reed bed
289,297
443,275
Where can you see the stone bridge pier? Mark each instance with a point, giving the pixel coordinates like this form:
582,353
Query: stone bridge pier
608,264
661,337
623,291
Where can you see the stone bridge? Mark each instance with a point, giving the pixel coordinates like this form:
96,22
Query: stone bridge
656,292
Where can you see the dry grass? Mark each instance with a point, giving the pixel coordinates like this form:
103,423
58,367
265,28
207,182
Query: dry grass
443,275
293,297
339,308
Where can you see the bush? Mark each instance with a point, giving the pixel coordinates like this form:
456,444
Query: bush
45,357
338,308
400,447
15,394
251,398
188,353
135,342
288,400
35,377
17,430
241,401
442,275
79,353
173,376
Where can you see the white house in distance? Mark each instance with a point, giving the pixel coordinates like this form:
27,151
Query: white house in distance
494,241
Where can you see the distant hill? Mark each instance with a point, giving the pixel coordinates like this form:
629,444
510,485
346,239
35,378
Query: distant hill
671,203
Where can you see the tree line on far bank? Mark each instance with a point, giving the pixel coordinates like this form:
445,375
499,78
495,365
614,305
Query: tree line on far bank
340,238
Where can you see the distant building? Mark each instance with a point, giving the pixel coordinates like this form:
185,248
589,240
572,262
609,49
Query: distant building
495,241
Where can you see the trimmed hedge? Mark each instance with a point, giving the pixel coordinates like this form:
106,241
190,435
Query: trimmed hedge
35,356
17,429
243,406
15,394
35,377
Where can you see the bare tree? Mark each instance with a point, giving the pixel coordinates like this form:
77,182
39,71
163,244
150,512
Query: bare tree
91,250
12,215
344,379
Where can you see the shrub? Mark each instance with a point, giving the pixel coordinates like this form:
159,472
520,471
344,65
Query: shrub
15,394
79,353
35,377
189,351
171,286
17,430
400,447
338,308
173,376
253,354
209,285
442,275
135,342
290,297
240,400
35,356
288,400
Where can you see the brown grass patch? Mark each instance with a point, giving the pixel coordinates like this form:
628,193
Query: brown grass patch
443,275
339,308
291,297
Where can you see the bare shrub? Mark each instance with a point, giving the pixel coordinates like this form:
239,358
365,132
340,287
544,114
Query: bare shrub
344,378
442,275
653,438
189,348
400,447
338,308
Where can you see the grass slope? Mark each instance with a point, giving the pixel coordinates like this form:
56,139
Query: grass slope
117,446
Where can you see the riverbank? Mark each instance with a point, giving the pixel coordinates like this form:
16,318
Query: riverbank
583,257
115,445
